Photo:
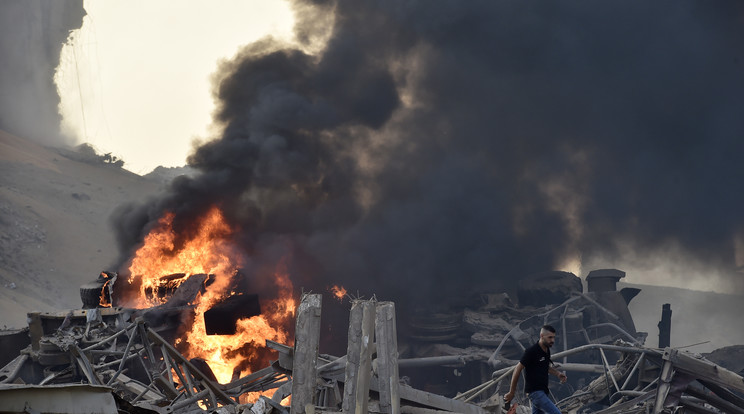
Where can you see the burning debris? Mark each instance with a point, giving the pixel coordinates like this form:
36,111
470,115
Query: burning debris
129,359
222,318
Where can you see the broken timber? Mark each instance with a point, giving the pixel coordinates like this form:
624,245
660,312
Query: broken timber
387,358
357,376
359,357
304,367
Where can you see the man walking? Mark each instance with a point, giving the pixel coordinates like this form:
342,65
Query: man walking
536,364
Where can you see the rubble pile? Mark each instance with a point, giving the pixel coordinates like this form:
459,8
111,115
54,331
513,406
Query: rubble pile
114,348
115,359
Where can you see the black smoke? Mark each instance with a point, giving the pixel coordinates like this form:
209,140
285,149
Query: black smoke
441,146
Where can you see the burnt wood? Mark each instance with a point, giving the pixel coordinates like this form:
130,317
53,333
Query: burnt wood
222,318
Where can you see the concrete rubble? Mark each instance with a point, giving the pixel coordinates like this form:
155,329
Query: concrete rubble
113,359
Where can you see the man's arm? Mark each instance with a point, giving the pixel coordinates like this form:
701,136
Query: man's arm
514,381
561,376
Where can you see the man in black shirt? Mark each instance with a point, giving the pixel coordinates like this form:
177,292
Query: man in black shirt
536,364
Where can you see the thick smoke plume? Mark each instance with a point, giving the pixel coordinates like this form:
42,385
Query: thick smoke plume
32,33
436,145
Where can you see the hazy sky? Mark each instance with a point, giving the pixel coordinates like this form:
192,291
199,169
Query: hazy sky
143,71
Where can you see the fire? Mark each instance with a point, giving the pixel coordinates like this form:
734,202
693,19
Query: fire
210,252
339,292
105,301
207,252
222,352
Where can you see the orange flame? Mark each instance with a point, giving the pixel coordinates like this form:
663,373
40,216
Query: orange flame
209,251
105,301
339,292
222,351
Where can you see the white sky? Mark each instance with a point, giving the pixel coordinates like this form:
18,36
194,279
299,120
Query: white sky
143,71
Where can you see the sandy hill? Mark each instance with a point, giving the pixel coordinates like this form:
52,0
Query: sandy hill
54,231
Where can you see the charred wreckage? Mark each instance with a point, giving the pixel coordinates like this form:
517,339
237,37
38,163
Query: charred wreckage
107,359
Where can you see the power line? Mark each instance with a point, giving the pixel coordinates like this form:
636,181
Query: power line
80,92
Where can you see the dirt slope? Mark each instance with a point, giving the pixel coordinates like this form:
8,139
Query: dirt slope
54,231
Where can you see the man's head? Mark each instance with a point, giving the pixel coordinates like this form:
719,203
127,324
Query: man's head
547,336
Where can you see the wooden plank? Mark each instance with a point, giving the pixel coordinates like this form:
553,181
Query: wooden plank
437,401
386,340
305,363
359,357
665,380
706,370
35,329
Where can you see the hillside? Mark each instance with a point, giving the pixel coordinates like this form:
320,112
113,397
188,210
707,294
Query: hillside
54,231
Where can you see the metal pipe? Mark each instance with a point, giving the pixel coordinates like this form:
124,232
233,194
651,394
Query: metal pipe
140,395
519,344
650,384
492,359
715,401
641,359
56,374
474,391
186,384
619,329
104,352
692,405
262,387
146,342
144,366
188,377
576,367
121,365
481,391
19,361
565,334
200,395
488,385
166,360
337,363
602,308
112,363
614,397
84,363
212,402
109,339
188,366
180,394
566,303
629,349
608,371
510,334
458,360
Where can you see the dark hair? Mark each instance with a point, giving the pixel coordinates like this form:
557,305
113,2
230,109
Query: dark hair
549,328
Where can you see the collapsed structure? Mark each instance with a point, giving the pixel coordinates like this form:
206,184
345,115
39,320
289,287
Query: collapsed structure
114,359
